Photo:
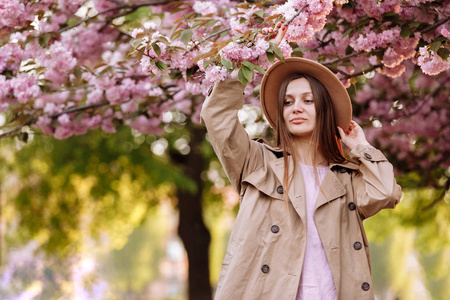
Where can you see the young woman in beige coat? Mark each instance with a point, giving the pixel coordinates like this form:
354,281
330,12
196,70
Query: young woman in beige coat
299,232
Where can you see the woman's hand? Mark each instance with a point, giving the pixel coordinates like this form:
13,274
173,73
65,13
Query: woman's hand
268,34
354,136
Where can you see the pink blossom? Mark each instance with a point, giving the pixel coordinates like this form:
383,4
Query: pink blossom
391,58
204,7
64,119
376,9
108,126
129,107
431,63
25,87
145,125
95,96
94,122
44,123
215,73
63,132
13,13
136,31
445,32
10,57
395,71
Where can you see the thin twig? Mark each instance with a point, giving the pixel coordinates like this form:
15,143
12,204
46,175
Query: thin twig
435,25
80,108
132,7
27,123
347,76
210,36
296,15
343,58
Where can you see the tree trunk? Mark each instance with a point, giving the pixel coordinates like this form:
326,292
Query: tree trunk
192,229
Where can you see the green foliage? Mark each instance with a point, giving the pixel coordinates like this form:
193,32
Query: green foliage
116,179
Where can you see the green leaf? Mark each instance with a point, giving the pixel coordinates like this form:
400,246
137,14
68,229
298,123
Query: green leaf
406,32
210,24
259,20
248,73
414,24
259,13
278,53
242,20
162,66
260,70
270,56
228,64
248,64
77,72
242,78
347,32
186,36
44,39
206,63
434,46
444,53
156,49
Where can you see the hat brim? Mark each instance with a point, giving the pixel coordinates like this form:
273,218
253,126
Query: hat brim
278,72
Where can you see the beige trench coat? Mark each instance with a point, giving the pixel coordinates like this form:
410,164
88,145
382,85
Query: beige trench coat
265,253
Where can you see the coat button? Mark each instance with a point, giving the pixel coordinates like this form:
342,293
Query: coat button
352,206
365,286
367,156
265,269
357,245
275,229
280,190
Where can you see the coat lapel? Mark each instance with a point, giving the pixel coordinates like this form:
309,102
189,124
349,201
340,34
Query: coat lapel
331,188
296,191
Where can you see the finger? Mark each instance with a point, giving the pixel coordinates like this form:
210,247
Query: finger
280,35
341,132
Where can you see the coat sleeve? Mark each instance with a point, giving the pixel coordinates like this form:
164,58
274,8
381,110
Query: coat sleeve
238,154
374,185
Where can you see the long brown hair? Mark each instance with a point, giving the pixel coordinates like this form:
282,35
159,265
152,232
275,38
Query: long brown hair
325,136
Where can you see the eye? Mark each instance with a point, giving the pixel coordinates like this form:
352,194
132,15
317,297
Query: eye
288,102
309,101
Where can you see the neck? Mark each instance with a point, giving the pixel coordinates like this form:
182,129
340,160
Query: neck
308,154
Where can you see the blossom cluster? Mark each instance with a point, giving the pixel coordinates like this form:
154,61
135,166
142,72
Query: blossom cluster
100,74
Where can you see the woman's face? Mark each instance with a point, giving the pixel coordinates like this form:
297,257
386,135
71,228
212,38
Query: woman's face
299,111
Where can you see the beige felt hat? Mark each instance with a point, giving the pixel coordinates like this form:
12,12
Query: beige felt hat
279,71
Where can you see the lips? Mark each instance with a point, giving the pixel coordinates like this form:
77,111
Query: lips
297,120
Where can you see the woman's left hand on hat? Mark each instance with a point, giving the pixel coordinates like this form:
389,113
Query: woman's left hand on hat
353,136
274,35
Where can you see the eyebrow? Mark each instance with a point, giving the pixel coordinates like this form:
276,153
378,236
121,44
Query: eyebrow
303,94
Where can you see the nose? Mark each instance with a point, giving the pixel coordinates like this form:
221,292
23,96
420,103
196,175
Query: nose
298,107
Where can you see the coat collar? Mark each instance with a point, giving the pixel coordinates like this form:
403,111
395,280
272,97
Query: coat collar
331,187
279,153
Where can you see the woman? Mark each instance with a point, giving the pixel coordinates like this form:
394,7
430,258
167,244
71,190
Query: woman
298,233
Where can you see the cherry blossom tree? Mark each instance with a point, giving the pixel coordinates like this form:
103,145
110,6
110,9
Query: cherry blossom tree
67,67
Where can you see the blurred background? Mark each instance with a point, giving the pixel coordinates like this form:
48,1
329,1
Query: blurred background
96,217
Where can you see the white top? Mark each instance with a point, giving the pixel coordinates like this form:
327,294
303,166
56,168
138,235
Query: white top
316,281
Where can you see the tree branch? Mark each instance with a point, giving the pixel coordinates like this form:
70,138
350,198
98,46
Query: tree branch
130,7
15,129
80,108
434,26
343,58
347,76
